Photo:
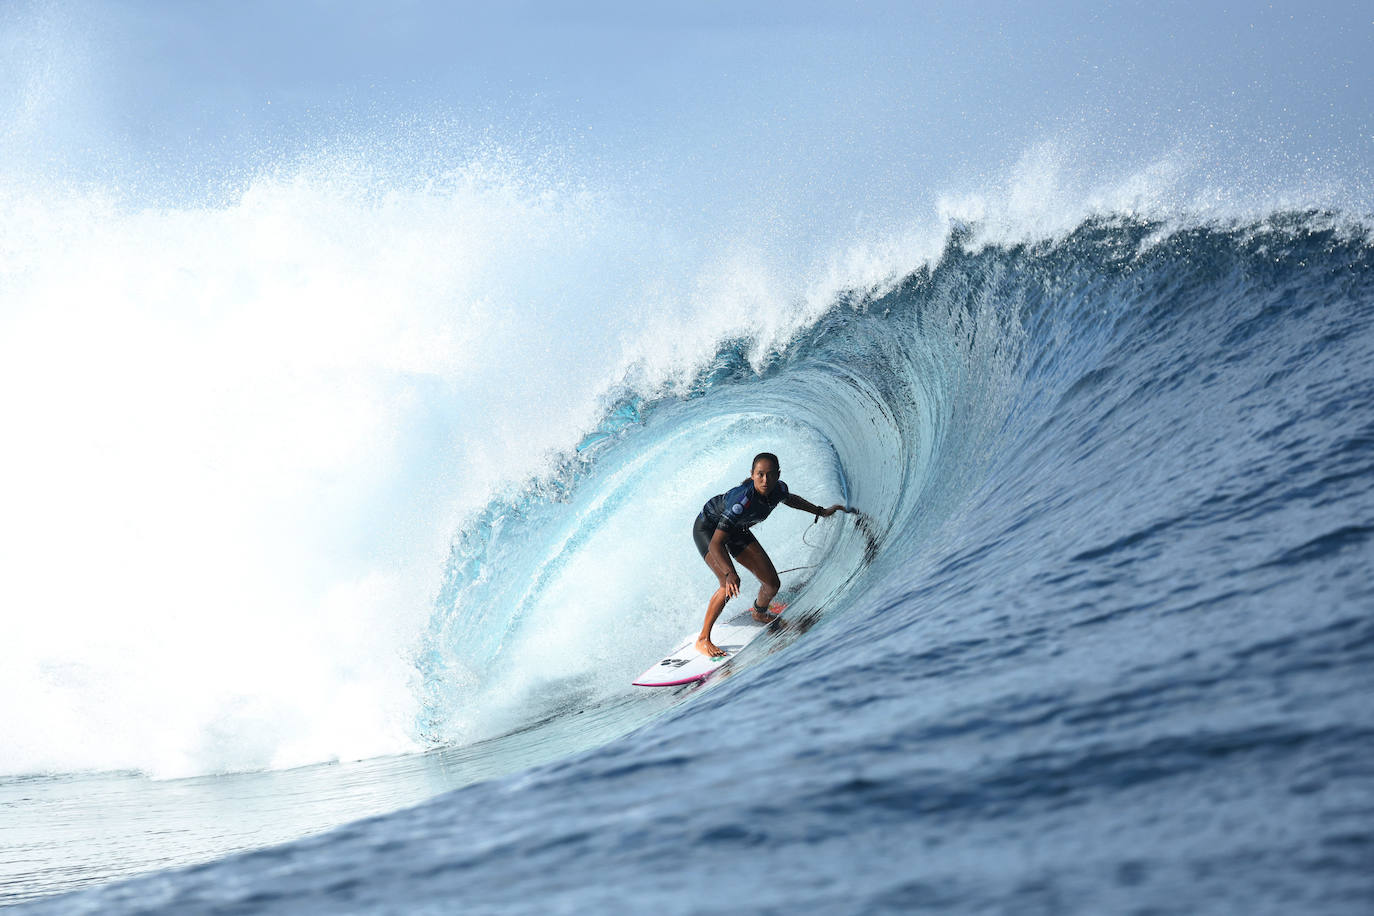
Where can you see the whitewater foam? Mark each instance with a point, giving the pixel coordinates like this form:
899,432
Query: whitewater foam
243,435
248,432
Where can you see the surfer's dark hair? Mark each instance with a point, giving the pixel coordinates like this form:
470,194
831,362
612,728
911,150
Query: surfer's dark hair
765,456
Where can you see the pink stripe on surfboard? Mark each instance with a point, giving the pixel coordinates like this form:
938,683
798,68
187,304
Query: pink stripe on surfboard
686,680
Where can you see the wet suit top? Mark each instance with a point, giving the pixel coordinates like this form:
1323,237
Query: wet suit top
740,508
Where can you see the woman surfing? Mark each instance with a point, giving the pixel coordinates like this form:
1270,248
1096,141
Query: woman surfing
722,531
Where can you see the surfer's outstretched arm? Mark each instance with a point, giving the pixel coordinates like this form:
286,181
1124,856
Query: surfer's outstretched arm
796,502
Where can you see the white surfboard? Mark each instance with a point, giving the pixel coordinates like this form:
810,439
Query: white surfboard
685,664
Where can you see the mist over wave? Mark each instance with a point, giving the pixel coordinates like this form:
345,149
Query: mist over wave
244,433
256,426
251,427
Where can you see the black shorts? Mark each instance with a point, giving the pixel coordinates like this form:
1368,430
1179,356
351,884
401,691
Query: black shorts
735,541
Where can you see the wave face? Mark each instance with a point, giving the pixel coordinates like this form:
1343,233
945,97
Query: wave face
1102,641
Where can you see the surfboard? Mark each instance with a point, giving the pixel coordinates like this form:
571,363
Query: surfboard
685,665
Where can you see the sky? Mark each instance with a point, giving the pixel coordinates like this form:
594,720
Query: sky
864,107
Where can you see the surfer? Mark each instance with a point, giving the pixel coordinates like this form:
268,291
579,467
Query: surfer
722,531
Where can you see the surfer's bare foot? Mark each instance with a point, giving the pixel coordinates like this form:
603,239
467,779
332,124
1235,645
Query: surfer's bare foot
708,648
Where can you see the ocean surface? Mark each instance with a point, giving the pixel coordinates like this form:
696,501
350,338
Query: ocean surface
1100,641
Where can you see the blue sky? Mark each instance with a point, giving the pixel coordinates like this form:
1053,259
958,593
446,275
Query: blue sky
814,102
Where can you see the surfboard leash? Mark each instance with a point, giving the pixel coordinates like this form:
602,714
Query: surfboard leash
808,544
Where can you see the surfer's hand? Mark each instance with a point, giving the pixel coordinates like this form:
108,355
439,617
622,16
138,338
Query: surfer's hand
833,509
731,583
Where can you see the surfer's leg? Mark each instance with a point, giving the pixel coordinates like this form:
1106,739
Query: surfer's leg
702,533
713,609
757,561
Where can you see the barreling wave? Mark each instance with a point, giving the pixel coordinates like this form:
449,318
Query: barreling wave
917,403
1110,593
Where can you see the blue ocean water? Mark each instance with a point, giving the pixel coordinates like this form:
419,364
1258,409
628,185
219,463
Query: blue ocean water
1100,641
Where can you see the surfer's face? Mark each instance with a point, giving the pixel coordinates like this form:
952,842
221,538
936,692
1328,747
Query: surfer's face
765,475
